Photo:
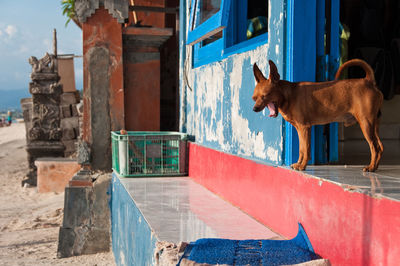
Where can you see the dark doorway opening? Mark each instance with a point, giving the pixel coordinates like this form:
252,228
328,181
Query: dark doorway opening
370,30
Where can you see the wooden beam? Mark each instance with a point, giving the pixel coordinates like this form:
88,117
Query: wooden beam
148,31
171,10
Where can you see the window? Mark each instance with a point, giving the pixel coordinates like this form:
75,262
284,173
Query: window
207,18
219,28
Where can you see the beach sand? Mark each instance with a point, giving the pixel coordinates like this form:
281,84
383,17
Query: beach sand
29,221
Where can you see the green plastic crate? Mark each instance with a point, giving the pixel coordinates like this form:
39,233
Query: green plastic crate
140,153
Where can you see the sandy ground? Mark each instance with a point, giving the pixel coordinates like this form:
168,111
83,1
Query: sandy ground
29,221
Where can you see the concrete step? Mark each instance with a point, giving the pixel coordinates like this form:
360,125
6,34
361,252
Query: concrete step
177,209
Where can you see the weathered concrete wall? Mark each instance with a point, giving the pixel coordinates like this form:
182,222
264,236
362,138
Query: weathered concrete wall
86,223
218,111
67,74
133,241
103,96
142,88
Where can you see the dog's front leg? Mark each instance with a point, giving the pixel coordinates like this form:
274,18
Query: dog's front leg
304,133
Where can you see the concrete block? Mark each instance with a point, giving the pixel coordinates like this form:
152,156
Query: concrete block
82,240
68,98
101,212
68,134
66,72
76,130
77,96
70,122
66,239
70,145
86,225
53,174
80,108
97,240
74,110
65,111
77,206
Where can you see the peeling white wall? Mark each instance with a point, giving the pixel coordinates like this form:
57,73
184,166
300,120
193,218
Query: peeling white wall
218,104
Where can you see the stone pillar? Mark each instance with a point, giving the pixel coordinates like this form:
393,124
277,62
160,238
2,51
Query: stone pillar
86,221
43,138
103,93
26,106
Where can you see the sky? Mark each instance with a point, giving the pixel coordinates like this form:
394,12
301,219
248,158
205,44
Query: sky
26,29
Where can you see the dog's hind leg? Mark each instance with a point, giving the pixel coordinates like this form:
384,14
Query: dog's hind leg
380,145
368,129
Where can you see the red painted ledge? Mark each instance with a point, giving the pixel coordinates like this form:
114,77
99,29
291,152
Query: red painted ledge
348,228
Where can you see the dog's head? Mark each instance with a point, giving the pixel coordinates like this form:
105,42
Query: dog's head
267,92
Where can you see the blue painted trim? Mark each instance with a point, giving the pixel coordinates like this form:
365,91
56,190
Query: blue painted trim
182,60
206,29
193,12
333,66
232,43
319,147
301,58
133,242
208,54
241,21
246,45
226,8
211,26
214,51
291,140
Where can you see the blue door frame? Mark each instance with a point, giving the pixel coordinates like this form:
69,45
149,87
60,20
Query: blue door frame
306,61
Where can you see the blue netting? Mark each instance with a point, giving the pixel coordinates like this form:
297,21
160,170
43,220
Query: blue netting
251,252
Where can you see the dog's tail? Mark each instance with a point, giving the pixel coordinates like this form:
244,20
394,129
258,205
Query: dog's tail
369,73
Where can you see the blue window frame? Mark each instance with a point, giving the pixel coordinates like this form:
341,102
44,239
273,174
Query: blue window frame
207,18
220,28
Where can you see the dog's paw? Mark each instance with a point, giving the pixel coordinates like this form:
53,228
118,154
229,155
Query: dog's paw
369,169
298,166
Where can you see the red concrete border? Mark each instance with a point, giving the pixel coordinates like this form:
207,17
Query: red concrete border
348,228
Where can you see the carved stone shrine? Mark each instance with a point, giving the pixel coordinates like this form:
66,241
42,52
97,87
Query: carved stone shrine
44,136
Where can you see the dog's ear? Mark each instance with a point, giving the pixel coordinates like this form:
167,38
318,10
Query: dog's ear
273,72
258,74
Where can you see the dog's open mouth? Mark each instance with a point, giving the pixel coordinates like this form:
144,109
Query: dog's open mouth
273,111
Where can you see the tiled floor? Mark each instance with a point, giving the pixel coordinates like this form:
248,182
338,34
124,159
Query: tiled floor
384,182
178,209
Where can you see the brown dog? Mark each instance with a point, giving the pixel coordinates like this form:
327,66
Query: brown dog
305,104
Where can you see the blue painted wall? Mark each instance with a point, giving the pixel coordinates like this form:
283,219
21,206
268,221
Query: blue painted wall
132,240
216,104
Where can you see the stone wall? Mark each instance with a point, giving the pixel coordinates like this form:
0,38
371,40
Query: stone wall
69,122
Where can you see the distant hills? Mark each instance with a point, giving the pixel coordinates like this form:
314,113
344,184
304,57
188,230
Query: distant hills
10,99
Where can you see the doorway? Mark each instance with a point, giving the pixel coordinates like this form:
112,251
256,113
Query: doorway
370,30
150,43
